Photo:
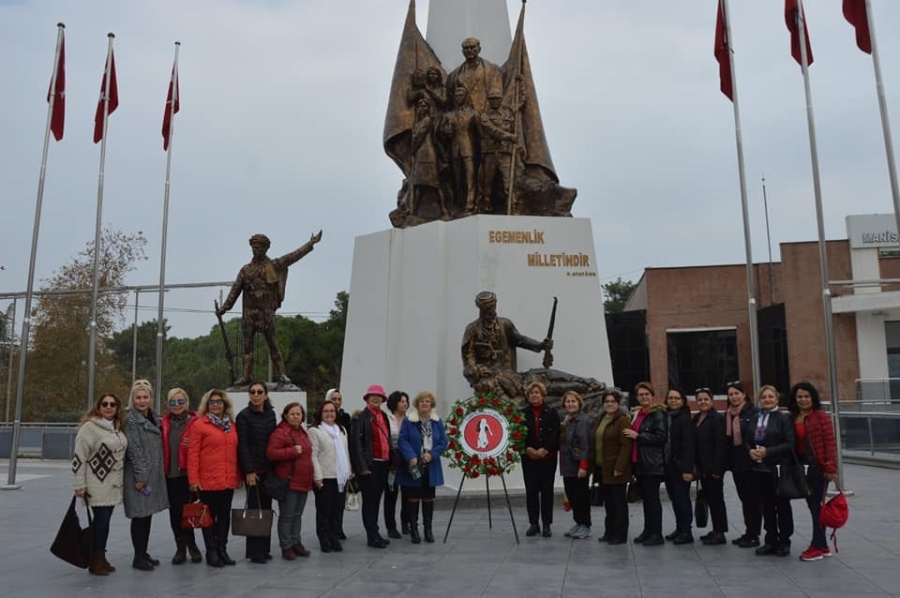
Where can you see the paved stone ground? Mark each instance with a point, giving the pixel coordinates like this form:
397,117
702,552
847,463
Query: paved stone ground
475,561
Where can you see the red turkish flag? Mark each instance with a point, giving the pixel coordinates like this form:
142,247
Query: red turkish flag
855,13
722,52
113,98
58,117
790,18
173,104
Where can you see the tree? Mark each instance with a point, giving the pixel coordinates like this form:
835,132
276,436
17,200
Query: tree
56,378
617,294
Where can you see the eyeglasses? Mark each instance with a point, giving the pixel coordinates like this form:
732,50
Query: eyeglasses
703,389
732,383
107,405
215,402
177,402
257,391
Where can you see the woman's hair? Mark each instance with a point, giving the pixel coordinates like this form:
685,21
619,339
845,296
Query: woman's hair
287,409
646,386
216,392
766,387
611,392
572,393
536,384
813,393
139,385
739,386
118,421
317,416
394,400
424,395
703,391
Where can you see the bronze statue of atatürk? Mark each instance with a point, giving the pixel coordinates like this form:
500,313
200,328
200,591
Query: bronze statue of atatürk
489,358
262,283
462,151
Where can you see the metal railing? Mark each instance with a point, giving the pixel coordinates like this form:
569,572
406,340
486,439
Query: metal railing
877,391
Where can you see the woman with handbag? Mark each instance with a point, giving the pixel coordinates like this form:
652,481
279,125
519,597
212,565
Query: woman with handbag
97,467
422,442
213,470
145,478
255,424
290,452
398,405
612,465
681,448
648,433
574,461
175,426
772,447
817,450
331,474
710,463
740,420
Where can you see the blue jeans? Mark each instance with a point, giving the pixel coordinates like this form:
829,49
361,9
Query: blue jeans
679,493
814,502
102,515
290,518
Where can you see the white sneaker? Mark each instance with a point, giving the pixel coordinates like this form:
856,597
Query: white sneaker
572,531
583,532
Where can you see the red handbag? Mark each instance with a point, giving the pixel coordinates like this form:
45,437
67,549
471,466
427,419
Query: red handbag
834,513
195,514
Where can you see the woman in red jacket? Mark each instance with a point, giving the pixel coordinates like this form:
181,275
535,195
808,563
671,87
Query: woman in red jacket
213,469
290,452
815,448
175,425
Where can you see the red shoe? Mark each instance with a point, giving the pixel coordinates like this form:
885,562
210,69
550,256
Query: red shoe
300,550
812,554
826,552
288,554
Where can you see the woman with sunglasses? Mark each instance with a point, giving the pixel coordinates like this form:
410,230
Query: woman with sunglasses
711,453
255,424
97,467
145,480
213,470
175,426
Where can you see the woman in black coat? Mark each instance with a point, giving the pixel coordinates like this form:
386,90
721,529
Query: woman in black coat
740,419
680,465
539,460
710,463
649,433
255,424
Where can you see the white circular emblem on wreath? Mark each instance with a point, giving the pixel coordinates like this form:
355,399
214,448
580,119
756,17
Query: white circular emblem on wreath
484,433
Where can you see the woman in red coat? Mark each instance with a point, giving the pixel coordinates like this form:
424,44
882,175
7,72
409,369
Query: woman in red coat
815,448
213,469
290,452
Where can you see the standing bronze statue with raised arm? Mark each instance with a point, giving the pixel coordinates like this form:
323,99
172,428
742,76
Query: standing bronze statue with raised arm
262,283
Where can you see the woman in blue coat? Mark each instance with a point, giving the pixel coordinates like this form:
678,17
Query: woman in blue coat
422,441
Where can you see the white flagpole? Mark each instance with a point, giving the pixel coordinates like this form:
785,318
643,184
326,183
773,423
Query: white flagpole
823,254
26,321
97,227
739,140
160,328
885,121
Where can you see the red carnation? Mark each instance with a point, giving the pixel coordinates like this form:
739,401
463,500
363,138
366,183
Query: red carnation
517,419
460,411
482,401
517,435
509,455
475,474
496,402
509,411
457,455
454,431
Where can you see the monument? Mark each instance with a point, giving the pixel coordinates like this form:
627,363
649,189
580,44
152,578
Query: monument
480,209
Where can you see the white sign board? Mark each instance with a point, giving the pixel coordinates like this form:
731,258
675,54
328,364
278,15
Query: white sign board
871,231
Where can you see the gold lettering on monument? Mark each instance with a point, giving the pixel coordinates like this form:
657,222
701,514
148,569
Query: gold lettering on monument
530,237
559,260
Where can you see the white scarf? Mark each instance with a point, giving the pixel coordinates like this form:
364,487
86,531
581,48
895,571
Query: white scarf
343,465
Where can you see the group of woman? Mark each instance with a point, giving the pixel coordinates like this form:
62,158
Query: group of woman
664,444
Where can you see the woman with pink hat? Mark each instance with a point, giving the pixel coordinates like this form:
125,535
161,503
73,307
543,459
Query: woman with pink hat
370,446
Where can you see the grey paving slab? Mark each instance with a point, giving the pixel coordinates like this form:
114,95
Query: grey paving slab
475,561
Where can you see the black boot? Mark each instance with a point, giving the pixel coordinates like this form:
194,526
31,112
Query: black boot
413,513
212,548
180,551
141,563
196,556
427,516
223,554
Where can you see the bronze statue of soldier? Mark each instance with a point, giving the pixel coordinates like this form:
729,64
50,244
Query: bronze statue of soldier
497,126
262,284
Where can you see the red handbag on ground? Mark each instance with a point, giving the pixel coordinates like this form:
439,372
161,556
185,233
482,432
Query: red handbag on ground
834,513
195,514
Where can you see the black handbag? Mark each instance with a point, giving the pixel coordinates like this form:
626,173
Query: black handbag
276,487
596,495
255,522
701,507
73,542
790,479
634,491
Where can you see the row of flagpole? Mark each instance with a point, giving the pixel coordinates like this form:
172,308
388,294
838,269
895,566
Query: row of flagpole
107,104
859,14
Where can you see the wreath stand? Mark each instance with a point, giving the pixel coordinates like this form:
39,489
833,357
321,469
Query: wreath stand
487,486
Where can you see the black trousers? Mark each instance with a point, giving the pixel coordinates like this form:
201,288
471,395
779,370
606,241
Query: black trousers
651,503
778,516
329,507
179,494
371,487
578,492
391,493
715,498
424,491
102,517
616,504
538,477
219,502
140,534
750,504
258,546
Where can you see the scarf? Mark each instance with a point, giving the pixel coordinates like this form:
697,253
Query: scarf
342,465
733,424
223,423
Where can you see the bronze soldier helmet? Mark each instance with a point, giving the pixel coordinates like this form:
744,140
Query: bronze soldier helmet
485,299
495,93
260,239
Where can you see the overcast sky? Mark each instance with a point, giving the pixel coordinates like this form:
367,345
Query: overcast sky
280,131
